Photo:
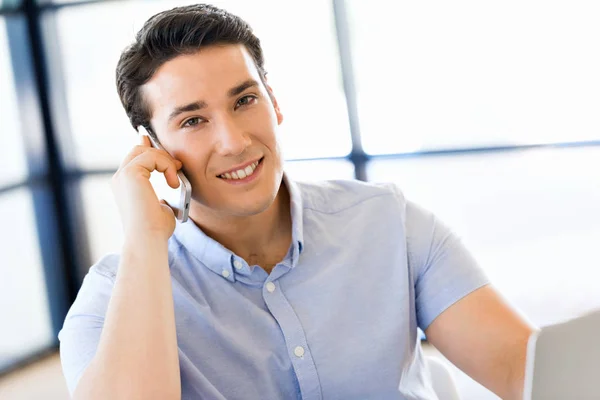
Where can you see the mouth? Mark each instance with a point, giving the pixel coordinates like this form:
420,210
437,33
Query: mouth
243,174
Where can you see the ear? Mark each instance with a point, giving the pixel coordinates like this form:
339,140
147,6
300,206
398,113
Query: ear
275,104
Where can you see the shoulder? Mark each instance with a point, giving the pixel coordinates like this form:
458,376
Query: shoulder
339,195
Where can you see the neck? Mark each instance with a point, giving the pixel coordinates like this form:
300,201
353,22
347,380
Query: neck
265,236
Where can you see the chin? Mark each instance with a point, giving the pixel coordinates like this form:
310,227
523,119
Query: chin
252,207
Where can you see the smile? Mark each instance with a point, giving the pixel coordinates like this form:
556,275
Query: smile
241,173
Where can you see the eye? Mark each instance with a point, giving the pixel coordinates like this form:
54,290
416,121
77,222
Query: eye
192,122
246,100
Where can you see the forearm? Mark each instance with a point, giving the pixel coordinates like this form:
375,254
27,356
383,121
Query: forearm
137,353
514,367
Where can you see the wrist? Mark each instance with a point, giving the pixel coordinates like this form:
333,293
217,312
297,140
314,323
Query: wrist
146,244
145,237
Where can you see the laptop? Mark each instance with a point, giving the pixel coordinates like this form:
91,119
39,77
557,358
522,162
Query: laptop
563,361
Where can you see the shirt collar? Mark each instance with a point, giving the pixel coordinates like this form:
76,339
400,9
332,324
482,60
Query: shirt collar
205,249
221,260
296,213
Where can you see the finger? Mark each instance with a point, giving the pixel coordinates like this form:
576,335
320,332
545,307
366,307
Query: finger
139,149
145,140
135,151
157,161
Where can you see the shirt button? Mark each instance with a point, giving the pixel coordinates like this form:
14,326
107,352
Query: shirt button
225,273
237,264
299,351
270,287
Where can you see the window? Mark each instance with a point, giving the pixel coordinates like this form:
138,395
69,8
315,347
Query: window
13,163
466,73
23,298
61,1
104,229
24,303
316,170
9,3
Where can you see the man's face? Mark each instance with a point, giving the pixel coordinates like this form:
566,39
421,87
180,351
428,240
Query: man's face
211,111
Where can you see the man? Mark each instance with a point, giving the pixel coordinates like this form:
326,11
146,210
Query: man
275,289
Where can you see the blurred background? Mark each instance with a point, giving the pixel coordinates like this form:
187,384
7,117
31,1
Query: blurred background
487,113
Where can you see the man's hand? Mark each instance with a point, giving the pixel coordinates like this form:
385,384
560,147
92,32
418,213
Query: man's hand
137,356
484,337
141,212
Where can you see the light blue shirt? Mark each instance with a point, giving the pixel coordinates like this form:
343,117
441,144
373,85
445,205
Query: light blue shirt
336,319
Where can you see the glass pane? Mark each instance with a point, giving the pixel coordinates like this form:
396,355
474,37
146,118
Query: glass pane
469,73
90,53
23,297
105,233
10,3
317,170
61,1
531,218
13,163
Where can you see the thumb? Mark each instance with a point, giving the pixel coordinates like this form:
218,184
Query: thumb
167,206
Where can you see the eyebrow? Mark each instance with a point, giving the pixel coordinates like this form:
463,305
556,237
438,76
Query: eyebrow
241,87
198,105
195,106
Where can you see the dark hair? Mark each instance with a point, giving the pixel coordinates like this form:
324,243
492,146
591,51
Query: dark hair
181,30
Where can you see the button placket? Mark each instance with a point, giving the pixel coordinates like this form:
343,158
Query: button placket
293,333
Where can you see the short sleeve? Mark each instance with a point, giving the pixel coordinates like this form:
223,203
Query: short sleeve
444,270
83,324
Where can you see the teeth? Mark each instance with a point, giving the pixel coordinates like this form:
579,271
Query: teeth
241,173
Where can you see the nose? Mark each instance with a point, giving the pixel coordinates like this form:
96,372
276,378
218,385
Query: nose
232,140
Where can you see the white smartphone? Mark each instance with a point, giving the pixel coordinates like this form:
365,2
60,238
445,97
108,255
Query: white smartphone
179,198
